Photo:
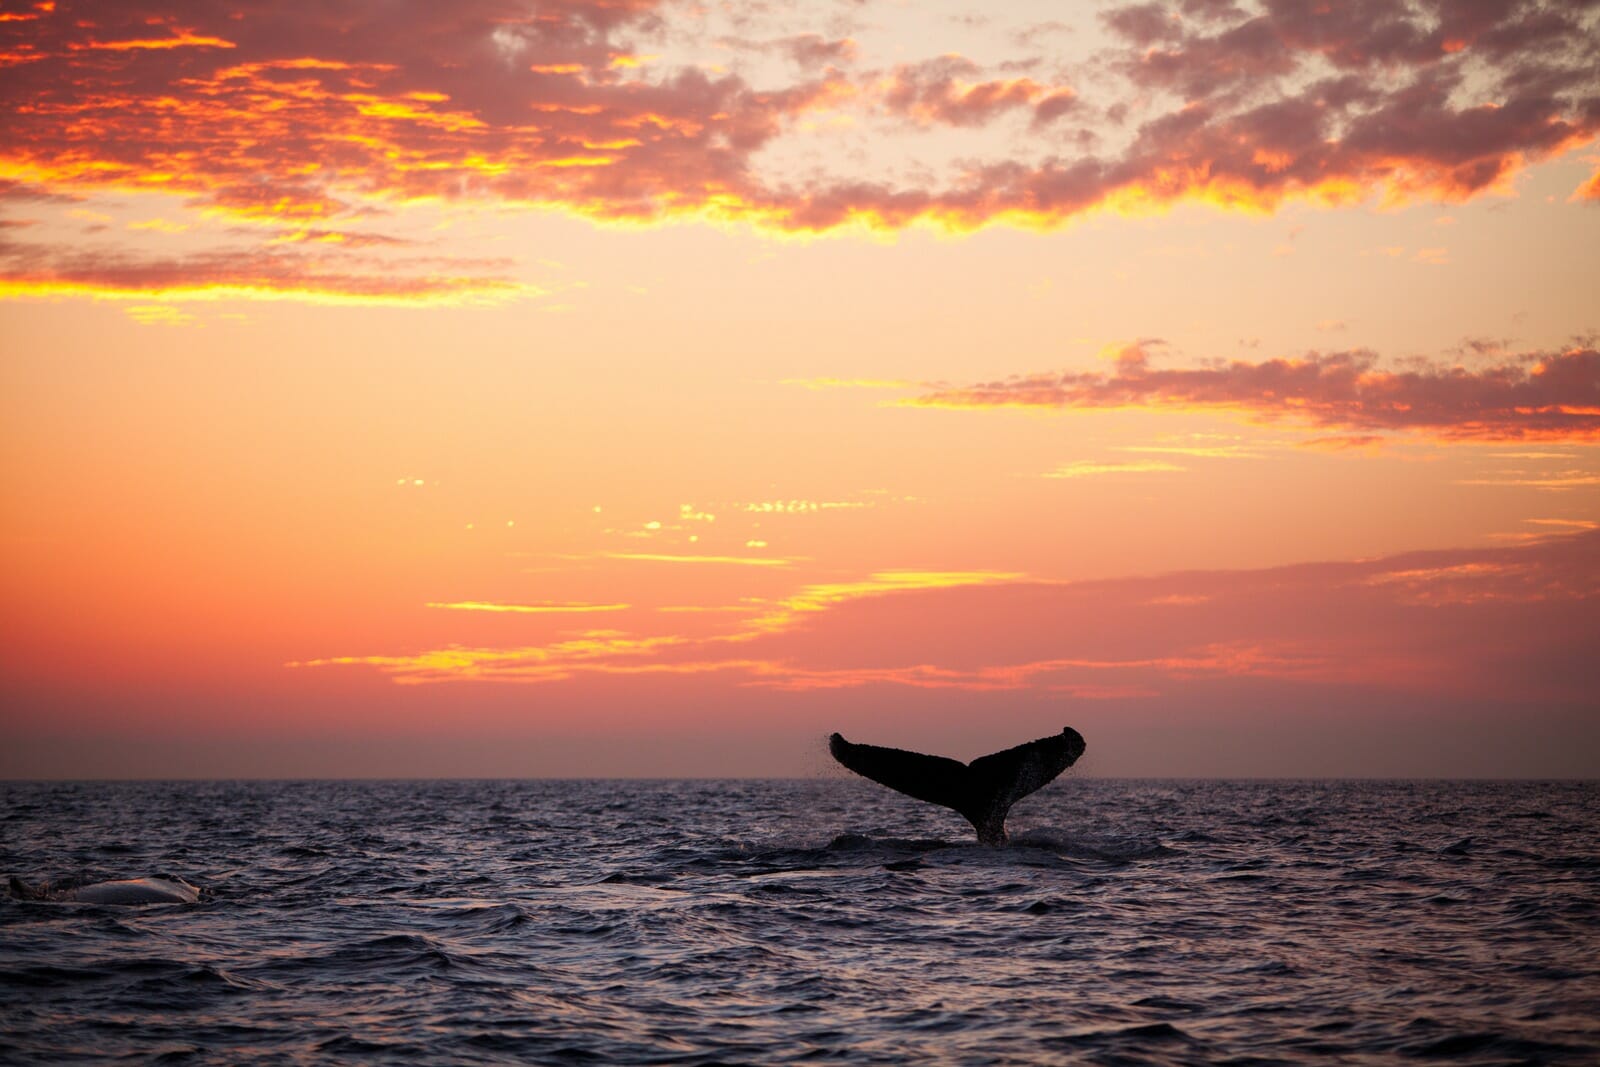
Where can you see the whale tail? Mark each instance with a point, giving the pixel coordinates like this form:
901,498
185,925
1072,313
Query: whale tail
982,791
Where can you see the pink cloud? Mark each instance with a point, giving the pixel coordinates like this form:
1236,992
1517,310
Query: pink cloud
310,109
1364,442
1507,623
1540,396
328,273
952,90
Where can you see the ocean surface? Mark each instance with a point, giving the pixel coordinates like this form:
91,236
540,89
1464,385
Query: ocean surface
1138,922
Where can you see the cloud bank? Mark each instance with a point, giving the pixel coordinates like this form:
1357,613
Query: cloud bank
294,112
1513,623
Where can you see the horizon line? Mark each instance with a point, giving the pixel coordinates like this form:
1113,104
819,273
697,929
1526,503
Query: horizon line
781,778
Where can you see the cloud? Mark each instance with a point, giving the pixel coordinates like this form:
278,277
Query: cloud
1088,468
306,114
1514,623
617,653
1144,24
179,39
788,612
741,561
1199,449
30,192
159,315
951,90
327,275
1359,442
1550,396
595,651
1558,480
813,49
313,110
526,609
342,238
1576,524
804,49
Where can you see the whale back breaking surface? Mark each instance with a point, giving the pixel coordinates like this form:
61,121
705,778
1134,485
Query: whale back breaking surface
138,891
157,890
982,791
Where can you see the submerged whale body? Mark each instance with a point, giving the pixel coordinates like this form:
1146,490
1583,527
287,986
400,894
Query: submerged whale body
161,890
982,791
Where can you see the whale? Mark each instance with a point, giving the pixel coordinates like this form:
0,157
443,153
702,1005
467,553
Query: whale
982,792
156,890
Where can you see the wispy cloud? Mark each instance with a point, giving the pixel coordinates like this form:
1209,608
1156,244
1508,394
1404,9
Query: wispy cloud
159,315
1548,529
610,652
338,276
1569,479
1074,677
786,613
741,561
1088,468
1552,396
1511,623
1198,450
527,609
1356,442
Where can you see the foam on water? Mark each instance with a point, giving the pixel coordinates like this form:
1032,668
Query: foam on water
687,922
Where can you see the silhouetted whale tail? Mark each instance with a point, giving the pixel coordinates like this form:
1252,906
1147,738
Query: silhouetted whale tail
981,791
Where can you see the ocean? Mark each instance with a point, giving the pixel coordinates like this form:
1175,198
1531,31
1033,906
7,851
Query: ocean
688,922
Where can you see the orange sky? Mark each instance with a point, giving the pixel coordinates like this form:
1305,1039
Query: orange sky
647,388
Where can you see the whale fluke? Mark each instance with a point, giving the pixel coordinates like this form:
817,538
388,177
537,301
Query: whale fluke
982,791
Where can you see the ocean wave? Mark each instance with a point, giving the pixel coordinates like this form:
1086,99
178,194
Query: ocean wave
637,922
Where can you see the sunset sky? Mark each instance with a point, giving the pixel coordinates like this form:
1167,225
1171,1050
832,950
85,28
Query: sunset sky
638,388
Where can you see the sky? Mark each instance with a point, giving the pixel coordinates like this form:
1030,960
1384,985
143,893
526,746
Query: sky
645,387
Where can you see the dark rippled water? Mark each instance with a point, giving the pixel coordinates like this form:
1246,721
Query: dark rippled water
773,921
